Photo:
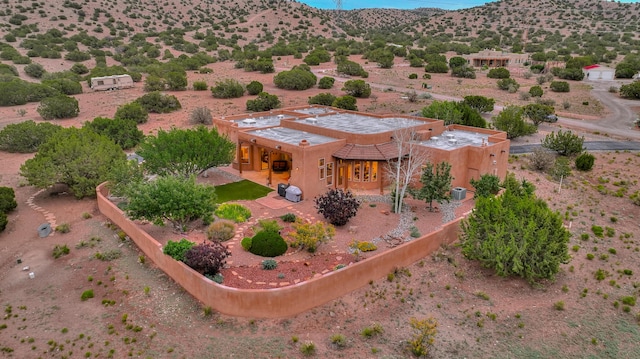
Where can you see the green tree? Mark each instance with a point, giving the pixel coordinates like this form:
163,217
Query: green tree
480,103
264,102
7,199
457,61
158,102
357,88
254,88
325,99
516,234
178,200
511,121
326,82
436,183
536,91
537,112
154,83
470,116
347,67
177,80
185,152
79,158
346,103
437,67
559,86
65,86
58,107
448,111
228,88
124,132
487,186
631,90
132,111
27,136
295,79
564,143
508,84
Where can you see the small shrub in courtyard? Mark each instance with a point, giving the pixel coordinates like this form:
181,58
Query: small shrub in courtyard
337,206
268,244
222,230
176,250
309,235
235,212
207,258
269,264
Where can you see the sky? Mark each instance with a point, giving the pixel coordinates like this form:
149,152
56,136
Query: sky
402,4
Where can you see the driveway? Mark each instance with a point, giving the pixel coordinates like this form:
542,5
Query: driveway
588,145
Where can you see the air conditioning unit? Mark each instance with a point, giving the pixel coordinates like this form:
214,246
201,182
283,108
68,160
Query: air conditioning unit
458,193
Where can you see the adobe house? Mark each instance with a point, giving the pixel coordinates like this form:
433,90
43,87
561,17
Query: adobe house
316,147
491,58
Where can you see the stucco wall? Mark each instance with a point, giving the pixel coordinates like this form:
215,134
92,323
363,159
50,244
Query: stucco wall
278,302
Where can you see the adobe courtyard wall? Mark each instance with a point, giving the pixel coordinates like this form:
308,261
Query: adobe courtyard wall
277,302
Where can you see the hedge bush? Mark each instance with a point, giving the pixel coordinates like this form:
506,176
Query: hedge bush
200,85
26,137
19,92
246,243
325,99
132,111
295,79
157,102
264,102
123,131
559,86
268,244
326,82
228,88
65,86
254,88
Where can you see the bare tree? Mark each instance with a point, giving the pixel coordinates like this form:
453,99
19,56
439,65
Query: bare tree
403,170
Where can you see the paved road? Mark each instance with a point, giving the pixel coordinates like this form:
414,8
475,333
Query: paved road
589,145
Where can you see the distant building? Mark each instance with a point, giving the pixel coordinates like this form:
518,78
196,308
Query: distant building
597,72
113,82
491,58
316,148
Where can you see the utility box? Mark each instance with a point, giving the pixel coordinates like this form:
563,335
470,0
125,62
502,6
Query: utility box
44,230
293,194
458,193
282,189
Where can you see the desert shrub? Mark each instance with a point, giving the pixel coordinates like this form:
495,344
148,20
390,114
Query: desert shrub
325,99
3,221
77,56
157,102
541,159
87,294
34,70
437,67
207,258
268,244
346,102
8,70
254,88
200,85
18,92
525,96
200,115
232,211
295,79
488,185
269,264
64,86
585,161
60,250
559,86
561,168
57,107
7,199
288,217
508,84
350,68
363,246
109,255
466,72
124,132
264,102
536,91
177,80
308,348
564,143
270,225
598,231
357,88
154,83
246,243
326,82
631,90
413,76
499,73
79,69
337,206
222,230
132,111
26,137
480,103
309,235
177,250
424,336
228,88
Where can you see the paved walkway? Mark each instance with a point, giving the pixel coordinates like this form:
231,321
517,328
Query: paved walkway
50,217
589,145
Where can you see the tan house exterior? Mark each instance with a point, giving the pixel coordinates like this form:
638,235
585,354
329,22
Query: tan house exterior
491,58
316,148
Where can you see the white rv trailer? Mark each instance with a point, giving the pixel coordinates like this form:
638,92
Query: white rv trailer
114,82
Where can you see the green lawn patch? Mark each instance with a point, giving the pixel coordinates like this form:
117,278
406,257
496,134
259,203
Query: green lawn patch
241,190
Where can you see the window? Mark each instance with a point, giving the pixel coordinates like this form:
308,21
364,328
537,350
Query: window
244,154
321,168
329,173
374,171
357,171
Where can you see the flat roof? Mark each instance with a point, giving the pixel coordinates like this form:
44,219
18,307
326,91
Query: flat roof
450,140
314,110
259,121
291,136
360,123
